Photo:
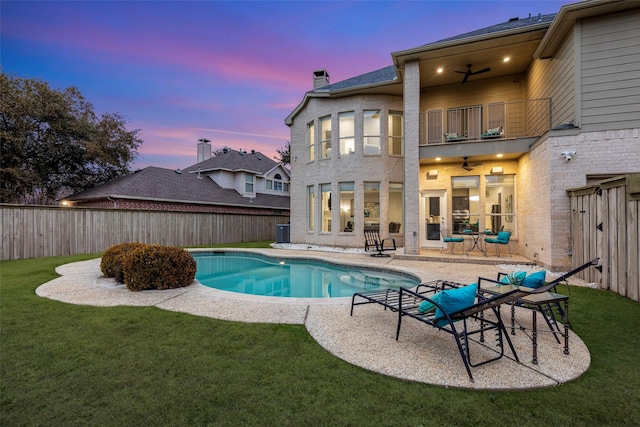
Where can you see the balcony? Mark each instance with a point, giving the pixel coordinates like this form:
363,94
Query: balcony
498,120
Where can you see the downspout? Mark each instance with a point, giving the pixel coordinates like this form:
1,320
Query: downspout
115,202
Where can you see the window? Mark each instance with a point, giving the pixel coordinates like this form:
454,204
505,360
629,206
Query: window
372,205
311,203
346,206
372,132
311,141
325,137
396,207
277,184
396,134
346,129
248,183
466,203
499,204
325,206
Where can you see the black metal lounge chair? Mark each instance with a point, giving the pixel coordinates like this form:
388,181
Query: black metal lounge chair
373,241
456,322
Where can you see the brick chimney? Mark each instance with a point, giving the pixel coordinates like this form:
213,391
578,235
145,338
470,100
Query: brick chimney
320,79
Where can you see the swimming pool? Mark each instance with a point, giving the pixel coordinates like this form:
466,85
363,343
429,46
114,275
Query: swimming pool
257,274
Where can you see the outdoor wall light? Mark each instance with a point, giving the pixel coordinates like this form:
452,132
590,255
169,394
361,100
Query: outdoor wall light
497,170
432,174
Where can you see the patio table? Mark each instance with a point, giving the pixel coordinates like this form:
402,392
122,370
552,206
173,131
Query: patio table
475,241
535,303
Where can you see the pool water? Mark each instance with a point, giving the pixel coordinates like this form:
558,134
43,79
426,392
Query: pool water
257,274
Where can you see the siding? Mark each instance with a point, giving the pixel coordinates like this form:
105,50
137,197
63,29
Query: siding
610,66
555,78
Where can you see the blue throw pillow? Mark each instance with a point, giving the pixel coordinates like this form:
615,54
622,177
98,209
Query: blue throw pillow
514,278
452,300
427,306
534,280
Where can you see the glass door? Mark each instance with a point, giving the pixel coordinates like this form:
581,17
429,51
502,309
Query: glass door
433,208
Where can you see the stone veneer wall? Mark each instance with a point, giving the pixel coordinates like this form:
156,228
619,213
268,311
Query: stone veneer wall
349,168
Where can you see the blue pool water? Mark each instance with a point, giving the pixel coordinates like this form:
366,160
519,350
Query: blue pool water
257,274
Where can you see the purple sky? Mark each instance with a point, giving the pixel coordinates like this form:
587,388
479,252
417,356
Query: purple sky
226,71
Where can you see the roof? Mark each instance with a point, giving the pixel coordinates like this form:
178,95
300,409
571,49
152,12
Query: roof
236,161
160,184
387,74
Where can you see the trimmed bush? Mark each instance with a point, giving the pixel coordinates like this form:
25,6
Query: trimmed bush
113,258
158,267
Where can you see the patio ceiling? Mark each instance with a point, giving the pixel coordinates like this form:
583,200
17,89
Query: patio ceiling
482,52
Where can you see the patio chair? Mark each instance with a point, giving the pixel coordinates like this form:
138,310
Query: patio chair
447,237
501,239
372,241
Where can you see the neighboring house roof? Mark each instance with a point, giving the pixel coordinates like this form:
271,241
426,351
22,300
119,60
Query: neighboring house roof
160,184
236,161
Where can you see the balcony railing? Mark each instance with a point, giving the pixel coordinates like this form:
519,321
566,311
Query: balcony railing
519,119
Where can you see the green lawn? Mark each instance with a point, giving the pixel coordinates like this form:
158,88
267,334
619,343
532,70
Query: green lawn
65,365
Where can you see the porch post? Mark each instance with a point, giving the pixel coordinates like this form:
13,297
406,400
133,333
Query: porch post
411,157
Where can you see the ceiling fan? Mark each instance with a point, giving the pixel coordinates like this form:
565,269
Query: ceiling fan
467,166
470,73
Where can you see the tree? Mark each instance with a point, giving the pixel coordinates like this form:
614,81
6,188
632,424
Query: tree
53,143
284,153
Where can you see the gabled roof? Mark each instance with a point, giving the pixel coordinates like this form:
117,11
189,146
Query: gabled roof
235,161
160,184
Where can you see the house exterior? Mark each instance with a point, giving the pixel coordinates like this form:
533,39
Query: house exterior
482,131
236,182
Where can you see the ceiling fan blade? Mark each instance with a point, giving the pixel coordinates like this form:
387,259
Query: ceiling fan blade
484,70
467,168
466,77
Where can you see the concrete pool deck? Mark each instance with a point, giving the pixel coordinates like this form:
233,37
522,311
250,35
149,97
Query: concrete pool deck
366,339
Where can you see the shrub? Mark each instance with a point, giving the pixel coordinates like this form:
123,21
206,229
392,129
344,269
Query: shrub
158,267
113,259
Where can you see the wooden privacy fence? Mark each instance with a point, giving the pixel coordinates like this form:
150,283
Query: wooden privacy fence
604,224
42,231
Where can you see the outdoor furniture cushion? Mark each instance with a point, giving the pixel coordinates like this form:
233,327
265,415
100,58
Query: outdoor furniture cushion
534,280
452,300
514,278
427,306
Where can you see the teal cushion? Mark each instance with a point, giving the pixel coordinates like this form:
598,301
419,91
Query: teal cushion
427,306
452,300
534,280
503,236
514,278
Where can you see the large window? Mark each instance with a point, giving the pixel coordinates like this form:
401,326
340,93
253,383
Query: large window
311,203
499,204
346,206
396,204
466,203
371,132
325,137
346,129
311,141
372,205
325,206
396,134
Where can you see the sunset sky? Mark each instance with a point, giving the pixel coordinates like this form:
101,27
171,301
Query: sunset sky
226,71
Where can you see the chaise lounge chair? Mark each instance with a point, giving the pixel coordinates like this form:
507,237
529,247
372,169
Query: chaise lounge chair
451,308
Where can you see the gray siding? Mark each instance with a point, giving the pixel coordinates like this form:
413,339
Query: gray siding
610,71
555,78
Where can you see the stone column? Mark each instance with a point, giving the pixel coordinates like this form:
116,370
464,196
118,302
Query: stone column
411,157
